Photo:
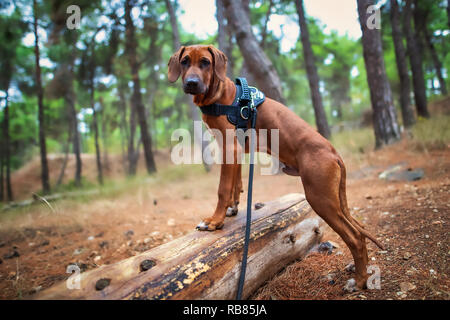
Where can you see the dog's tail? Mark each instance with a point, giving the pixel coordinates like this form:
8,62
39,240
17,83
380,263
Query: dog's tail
344,207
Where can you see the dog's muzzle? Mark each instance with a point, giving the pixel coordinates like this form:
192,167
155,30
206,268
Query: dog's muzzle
193,86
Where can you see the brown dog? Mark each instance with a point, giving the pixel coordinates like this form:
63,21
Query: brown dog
303,150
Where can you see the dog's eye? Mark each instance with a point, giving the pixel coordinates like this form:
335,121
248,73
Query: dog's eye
204,63
185,61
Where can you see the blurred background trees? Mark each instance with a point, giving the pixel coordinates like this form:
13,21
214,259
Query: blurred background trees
102,89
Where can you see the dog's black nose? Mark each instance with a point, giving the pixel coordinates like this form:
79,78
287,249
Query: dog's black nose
192,84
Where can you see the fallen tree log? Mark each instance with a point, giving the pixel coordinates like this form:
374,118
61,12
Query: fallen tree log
206,265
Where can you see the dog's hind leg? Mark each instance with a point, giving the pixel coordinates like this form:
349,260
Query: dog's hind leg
321,183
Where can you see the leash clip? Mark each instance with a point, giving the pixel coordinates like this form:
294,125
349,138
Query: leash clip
252,101
249,109
243,116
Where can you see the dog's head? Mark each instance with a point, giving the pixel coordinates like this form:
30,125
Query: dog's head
199,66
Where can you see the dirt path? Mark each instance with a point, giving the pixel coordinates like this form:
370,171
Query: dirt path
411,219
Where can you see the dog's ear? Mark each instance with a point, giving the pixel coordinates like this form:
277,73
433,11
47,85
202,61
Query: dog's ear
174,65
219,63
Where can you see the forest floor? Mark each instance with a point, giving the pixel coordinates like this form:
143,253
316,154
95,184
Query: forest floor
130,216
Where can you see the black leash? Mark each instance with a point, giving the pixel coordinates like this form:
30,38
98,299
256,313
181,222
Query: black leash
253,114
239,113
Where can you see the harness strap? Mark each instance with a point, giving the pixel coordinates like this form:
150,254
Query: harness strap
238,113
245,94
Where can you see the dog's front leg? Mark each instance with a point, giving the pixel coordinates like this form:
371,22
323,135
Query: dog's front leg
227,174
236,193
228,177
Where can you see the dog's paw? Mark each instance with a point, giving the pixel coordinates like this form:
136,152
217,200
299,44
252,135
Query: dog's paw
350,268
232,211
203,226
351,286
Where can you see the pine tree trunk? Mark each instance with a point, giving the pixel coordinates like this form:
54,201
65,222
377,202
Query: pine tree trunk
384,116
104,136
40,93
136,98
424,38
415,59
448,13
339,95
313,77
230,46
266,22
126,131
418,18
97,149
173,23
97,145
340,90
9,193
436,61
132,153
66,158
224,37
124,136
195,113
433,87
402,67
76,141
1,171
258,64
129,132
73,120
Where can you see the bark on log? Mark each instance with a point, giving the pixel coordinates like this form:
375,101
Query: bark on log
203,265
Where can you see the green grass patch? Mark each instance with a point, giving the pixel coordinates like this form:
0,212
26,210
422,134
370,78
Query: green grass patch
433,133
180,172
71,186
357,141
